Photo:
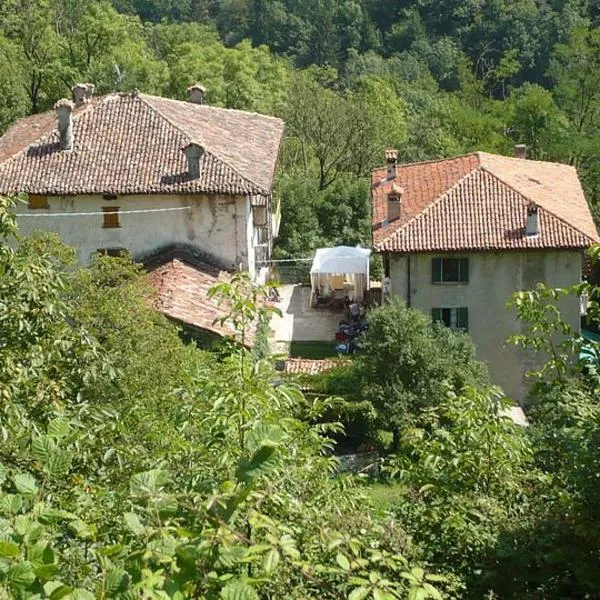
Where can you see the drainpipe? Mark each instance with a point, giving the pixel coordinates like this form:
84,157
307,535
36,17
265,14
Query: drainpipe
408,302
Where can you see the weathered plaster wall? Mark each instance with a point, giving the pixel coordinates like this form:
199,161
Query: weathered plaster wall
493,277
216,225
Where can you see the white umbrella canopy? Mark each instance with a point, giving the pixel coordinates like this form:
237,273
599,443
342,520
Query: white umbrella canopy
340,271
341,260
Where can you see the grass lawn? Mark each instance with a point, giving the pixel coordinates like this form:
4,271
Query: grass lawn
385,495
314,350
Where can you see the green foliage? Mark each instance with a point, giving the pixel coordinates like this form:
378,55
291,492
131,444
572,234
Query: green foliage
405,363
135,466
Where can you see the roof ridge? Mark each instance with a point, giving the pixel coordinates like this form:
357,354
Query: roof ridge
530,201
430,206
528,160
430,161
210,107
142,98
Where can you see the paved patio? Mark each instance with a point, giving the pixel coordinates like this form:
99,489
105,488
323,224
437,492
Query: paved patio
301,323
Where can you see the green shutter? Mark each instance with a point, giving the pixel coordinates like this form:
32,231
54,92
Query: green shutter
462,318
463,270
436,270
436,314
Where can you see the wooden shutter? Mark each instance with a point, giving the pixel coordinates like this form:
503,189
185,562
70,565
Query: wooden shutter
436,270
463,269
36,201
111,217
463,318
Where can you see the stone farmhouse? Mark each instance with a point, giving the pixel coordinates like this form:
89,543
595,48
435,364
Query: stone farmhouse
459,236
182,186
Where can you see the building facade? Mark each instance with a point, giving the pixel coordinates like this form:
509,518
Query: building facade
460,236
140,173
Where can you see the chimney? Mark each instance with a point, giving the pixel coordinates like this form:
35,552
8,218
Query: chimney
196,94
394,203
193,152
64,115
82,93
532,227
391,158
521,151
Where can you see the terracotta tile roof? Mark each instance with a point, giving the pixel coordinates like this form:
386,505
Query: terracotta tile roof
182,294
306,366
479,202
132,144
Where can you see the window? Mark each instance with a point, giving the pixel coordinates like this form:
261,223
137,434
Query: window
262,235
111,216
450,270
112,251
36,201
455,318
260,215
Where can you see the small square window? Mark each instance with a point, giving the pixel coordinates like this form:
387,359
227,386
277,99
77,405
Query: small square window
36,201
111,217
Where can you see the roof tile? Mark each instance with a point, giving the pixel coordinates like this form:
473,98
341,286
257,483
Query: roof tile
479,202
182,294
132,144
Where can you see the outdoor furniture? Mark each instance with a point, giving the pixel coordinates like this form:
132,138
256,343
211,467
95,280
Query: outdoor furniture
344,270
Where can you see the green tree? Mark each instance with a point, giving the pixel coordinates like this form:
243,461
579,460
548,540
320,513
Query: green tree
406,362
536,121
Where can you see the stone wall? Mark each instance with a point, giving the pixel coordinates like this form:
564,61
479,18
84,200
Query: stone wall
220,226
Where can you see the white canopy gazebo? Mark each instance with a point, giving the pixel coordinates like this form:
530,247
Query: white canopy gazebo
341,271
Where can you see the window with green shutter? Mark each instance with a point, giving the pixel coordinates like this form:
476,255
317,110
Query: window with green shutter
455,318
450,270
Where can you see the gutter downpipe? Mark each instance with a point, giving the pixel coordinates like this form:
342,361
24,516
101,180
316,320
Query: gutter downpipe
408,302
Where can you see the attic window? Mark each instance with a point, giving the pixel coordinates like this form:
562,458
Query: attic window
193,152
111,217
36,201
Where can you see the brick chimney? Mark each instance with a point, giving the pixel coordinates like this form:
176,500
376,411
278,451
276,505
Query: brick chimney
193,152
82,93
532,227
394,203
64,116
521,151
196,94
391,159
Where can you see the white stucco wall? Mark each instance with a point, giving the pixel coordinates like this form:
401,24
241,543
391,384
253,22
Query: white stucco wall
216,225
493,277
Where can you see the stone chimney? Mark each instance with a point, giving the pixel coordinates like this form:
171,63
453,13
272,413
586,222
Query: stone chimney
196,94
82,93
521,151
532,227
64,115
391,159
193,152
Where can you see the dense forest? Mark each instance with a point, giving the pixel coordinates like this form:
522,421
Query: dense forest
431,78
